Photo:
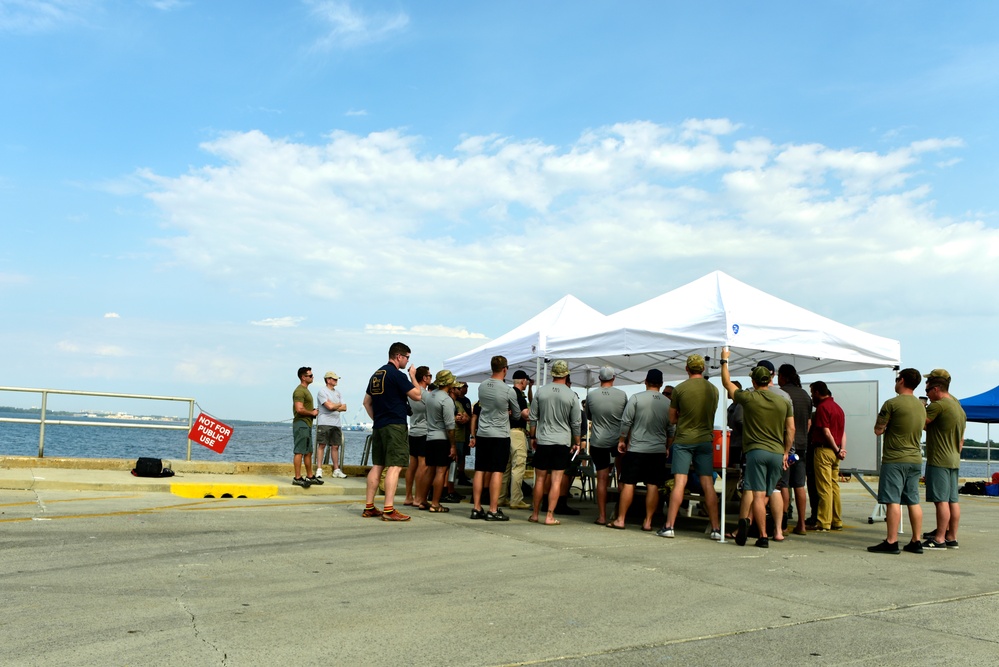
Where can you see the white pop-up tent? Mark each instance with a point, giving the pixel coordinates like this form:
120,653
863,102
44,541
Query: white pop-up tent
525,347
718,310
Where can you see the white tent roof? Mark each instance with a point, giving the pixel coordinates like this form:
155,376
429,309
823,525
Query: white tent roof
714,311
524,345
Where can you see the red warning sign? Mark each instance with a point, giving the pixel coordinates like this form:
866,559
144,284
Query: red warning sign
210,432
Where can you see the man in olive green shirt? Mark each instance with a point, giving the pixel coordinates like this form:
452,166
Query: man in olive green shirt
901,422
692,409
767,436
945,422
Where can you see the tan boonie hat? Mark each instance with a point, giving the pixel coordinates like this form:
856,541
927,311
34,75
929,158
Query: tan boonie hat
695,362
445,378
331,374
938,373
560,369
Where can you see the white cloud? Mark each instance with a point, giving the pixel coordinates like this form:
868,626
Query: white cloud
627,211
112,316
356,112
278,322
167,5
430,330
92,349
36,16
349,27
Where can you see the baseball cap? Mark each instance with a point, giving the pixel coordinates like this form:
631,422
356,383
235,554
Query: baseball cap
761,374
695,362
560,369
521,375
331,374
654,377
938,373
607,374
767,365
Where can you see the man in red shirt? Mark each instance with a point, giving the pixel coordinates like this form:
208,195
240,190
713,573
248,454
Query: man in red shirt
828,438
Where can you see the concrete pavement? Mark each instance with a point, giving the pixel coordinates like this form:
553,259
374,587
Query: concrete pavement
134,576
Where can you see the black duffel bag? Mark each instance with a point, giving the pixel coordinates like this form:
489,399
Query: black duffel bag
149,467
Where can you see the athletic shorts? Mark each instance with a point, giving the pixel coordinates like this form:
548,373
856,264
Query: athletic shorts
417,445
302,433
699,455
941,484
390,446
794,476
898,484
641,468
438,453
329,436
603,457
549,457
763,470
492,454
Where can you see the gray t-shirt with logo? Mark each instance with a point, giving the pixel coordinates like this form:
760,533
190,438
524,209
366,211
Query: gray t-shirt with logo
604,406
646,417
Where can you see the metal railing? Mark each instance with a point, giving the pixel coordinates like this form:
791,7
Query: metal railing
42,420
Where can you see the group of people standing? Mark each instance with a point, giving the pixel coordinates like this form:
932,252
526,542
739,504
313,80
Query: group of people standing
787,440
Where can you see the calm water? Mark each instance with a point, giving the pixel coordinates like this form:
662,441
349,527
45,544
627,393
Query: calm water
251,441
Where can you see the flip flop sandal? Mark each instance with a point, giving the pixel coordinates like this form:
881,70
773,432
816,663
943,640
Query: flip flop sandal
439,508
555,522
532,520
615,527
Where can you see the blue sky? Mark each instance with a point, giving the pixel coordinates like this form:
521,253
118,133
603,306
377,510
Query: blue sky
196,198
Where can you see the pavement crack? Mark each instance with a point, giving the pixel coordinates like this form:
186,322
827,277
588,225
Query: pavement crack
224,658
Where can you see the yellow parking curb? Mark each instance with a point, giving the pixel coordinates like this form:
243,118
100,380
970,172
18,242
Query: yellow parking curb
224,490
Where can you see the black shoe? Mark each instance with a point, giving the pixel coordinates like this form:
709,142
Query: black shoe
740,532
302,482
316,481
934,545
496,516
452,498
763,543
562,507
951,544
478,514
885,548
783,520
914,547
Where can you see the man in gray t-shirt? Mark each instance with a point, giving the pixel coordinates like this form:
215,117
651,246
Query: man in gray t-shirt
642,441
604,407
555,419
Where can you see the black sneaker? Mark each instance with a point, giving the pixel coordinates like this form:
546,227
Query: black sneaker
302,482
478,514
496,516
932,544
951,544
317,481
452,498
914,547
763,543
885,548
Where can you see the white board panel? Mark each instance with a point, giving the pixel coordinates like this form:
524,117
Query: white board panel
859,401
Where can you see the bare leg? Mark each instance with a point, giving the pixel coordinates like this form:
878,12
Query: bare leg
651,505
371,486
943,521
627,492
711,501
915,520
955,520
495,486
893,517
553,495
477,480
675,499
438,473
540,477
800,501
603,479
298,465
760,511
777,511
391,483
414,464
